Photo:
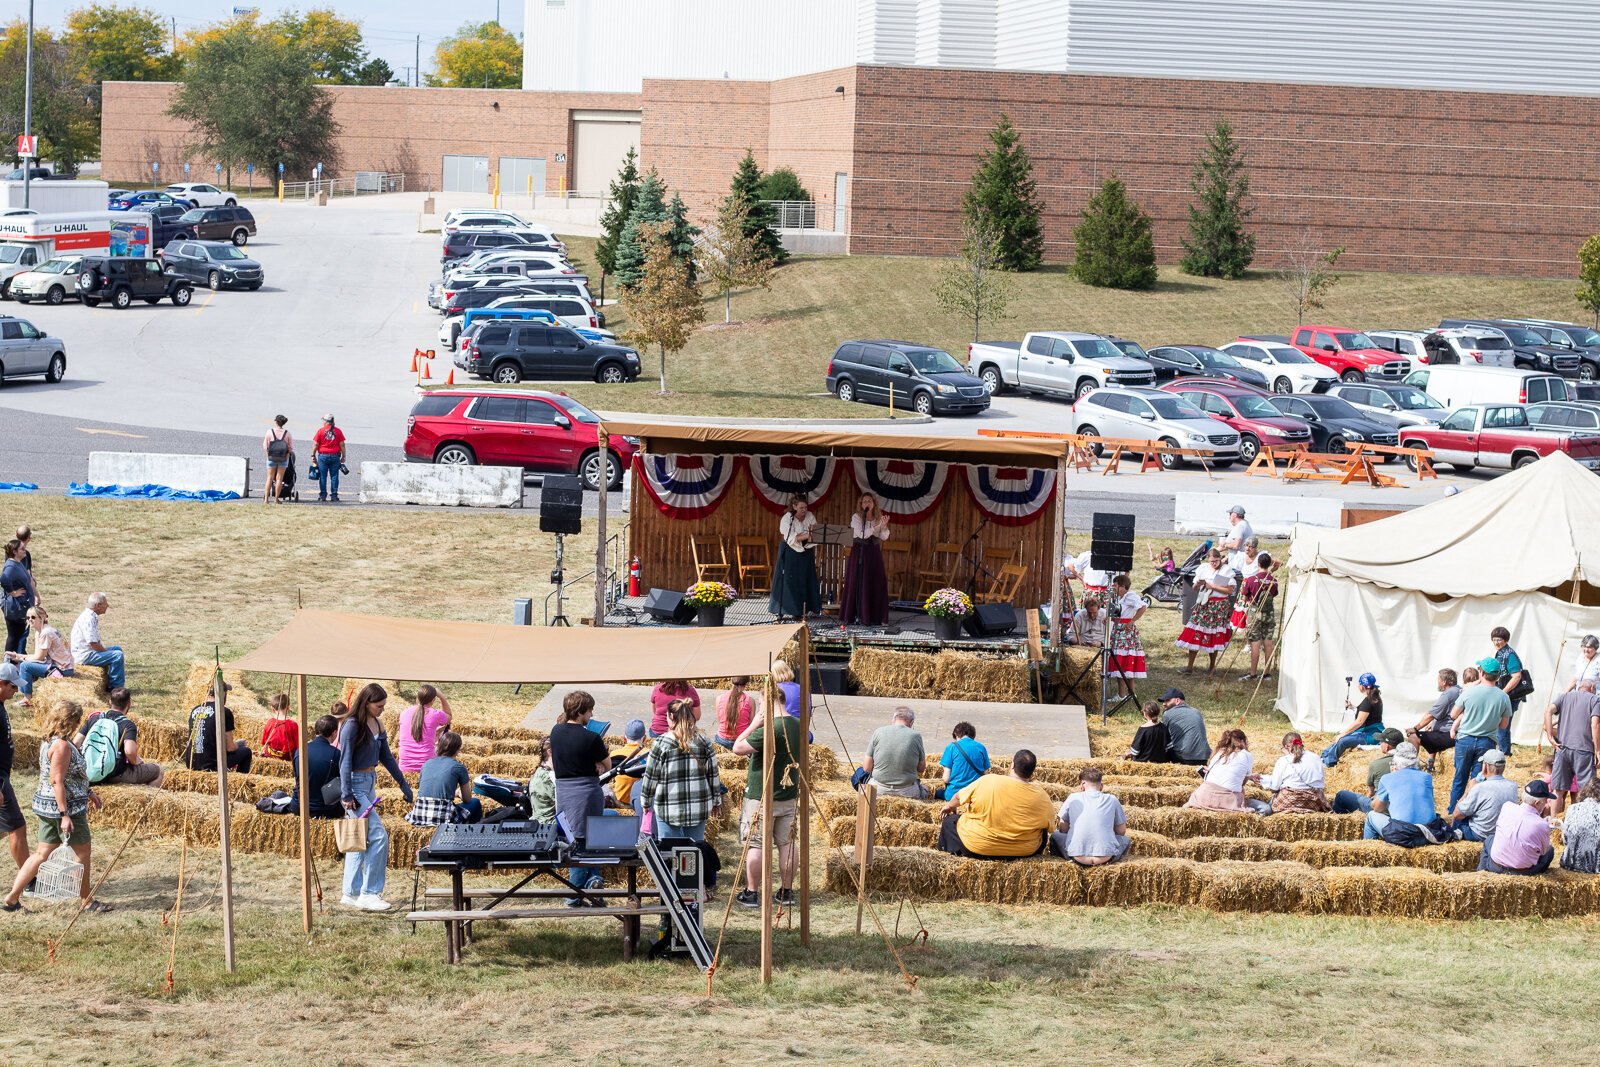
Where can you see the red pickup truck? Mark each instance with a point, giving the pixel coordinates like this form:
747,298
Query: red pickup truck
1355,356
1497,435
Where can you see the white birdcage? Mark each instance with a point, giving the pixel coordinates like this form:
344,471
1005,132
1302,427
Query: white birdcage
60,877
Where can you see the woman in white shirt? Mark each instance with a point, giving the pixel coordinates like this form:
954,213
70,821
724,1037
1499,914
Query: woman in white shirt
795,592
1231,765
1208,630
865,596
1297,783
1127,651
1588,668
50,654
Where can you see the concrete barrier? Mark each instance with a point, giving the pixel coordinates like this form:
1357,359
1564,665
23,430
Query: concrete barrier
1200,514
192,474
430,483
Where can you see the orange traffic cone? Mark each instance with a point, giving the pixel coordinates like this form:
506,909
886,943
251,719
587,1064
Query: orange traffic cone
414,354
450,379
427,377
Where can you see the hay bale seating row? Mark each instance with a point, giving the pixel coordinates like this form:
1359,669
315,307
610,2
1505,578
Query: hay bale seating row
1276,886
946,675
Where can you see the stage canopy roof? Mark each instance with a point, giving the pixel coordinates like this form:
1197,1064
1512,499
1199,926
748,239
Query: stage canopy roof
339,645
662,438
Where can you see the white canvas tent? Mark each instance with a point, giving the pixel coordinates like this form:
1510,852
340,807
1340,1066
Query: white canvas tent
1407,595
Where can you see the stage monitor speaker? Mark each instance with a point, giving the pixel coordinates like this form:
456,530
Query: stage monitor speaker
668,605
829,678
561,504
991,620
1111,549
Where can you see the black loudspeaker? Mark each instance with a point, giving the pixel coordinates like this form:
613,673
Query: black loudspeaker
1112,547
991,620
561,504
829,678
668,605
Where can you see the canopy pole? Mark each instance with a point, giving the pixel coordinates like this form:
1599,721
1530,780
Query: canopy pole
305,808
1060,557
802,807
600,576
768,743
219,722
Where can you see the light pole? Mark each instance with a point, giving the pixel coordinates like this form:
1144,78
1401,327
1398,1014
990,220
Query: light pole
27,111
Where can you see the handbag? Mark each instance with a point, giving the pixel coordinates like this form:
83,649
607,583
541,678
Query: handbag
350,834
330,793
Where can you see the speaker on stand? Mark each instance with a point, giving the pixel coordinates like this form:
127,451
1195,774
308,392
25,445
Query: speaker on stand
560,513
1111,550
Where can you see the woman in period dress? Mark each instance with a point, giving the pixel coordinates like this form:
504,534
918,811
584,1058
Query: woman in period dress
1208,630
865,598
1127,651
795,591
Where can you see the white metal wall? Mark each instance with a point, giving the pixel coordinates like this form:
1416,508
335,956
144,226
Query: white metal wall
1031,34
955,33
886,32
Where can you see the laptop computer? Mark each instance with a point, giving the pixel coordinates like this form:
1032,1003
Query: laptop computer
609,837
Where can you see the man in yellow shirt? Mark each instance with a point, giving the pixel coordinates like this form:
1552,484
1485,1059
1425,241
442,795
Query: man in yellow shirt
999,817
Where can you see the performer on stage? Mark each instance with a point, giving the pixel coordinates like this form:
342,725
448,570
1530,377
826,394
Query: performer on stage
1208,630
865,598
795,592
1127,651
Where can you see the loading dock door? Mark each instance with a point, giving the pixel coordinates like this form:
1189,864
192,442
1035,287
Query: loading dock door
466,174
515,172
599,141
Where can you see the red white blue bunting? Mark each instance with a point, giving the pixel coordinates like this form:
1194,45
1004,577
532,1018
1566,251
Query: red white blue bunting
686,486
1011,496
909,489
779,479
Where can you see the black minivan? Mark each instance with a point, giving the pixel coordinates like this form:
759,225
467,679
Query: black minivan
925,379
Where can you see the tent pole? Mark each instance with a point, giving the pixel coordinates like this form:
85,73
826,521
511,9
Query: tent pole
768,742
219,722
1060,557
305,809
802,807
600,576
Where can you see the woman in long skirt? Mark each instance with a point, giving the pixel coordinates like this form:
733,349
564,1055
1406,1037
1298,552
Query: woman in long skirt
1127,651
795,592
1208,630
865,598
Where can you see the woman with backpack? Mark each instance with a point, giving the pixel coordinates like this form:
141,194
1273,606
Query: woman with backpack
363,745
17,595
62,804
278,445
680,786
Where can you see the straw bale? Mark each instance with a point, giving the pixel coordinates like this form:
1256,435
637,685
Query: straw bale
968,676
1075,658
887,832
1265,887
85,691
1194,822
1172,881
197,685
26,755
1232,849
1066,771
824,764
1159,796
885,673
1148,845
836,804
1455,856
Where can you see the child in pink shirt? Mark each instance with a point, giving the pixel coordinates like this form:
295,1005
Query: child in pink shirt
419,726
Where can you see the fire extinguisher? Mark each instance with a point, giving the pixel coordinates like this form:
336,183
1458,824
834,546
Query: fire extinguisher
633,577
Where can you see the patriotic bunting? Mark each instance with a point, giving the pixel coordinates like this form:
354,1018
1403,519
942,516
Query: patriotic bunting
686,486
909,489
779,479
1011,496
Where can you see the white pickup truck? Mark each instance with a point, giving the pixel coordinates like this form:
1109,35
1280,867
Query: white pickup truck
1057,363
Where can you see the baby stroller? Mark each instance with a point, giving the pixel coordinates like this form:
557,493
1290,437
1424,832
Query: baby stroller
510,793
1168,588
286,489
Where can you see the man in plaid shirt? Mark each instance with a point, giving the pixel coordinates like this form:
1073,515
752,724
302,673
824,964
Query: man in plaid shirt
680,783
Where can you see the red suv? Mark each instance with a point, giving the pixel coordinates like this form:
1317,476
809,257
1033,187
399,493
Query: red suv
1246,411
1355,356
545,433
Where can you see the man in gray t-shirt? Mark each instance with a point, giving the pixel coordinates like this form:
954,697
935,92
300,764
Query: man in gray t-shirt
896,758
1573,720
1186,729
1432,732
1091,828
1476,813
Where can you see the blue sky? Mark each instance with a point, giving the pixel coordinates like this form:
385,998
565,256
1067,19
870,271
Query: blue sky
390,26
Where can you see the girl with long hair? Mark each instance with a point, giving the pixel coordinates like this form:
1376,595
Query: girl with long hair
1208,630
735,709
1297,783
420,725
680,784
795,590
363,745
1225,773
865,595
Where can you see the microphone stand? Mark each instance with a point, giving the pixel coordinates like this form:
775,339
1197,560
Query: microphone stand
975,563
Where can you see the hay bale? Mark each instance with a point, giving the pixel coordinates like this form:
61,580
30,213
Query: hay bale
1172,881
1453,857
836,804
885,673
26,754
1265,887
1075,660
1067,771
824,764
87,692
1147,845
841,832
1231,849
1194,822
969,676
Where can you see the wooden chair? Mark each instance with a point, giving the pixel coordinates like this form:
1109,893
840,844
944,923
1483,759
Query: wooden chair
710,558
754,557
896,571
995,558
1006,584
933,578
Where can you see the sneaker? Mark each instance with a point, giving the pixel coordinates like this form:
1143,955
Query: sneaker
747,899
372,902
1247,677
787,898
574,902
322,499
595,883
350,901
335,498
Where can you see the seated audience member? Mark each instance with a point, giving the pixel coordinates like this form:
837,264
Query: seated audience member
662,696
1402,811
1432,732
1476,813
1573,720
542,786
88,651
120,736
1520,843
999,817
1365,727
735,709
1580,832
200,754
1347,800
1297,783
1547,771
280,737
50,654
420,725
1089,623
964,760
622,784
441,780
1230,766
1151,742
1091,828
322,768
1186,727
896,758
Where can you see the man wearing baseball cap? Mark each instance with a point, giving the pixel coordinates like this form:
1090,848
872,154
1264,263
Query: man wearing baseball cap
1479,714
329,457
12,823
1239,530
1520,843
1403,813
1186,730
1478,811
1348,800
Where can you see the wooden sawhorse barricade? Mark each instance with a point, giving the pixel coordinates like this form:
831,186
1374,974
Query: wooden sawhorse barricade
1085,451
1358,464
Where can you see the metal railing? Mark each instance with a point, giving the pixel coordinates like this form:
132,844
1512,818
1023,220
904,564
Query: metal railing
616,568
364,183
794,214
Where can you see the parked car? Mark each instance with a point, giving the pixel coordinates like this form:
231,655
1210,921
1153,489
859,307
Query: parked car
508,352
167,221
903,374
1286,367
1407,343
1565,415
1246,412
1335,425
124,279
1479,346
117,194
1056,363
521,266
234,224
141,200
1457,386
483,292
459,244
1350,353
35,174
1131,349
567,310
202,194
1499,435
1405,404
487,219
541,432
52,281
215,264
1529,351
1206,361
451,330
26,350
1580,340
1154,415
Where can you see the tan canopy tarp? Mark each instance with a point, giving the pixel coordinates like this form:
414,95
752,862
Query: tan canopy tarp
339,645
662,438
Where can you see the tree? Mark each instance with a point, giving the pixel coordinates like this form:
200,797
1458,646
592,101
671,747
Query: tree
663,309
1116,248
121,44
971,286
746,188
1589,277
623,195
650,206
332,45
782,184
481,55
1307,274
374,71
1217,245
732,258
65,116
1003,199
681,234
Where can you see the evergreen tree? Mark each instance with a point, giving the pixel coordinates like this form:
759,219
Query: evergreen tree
1217,245
681,234
759,221
1589,276
1004,200
624,194
651,206
1116,247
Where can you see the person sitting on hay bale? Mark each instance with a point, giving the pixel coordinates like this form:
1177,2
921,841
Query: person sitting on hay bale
200,754
112,751
1476,814
661,698
1365,727
999,817
1151,742
1089,623
1091,827
1479,715
1432,732
1187,728
788,749
1346,801
1297,783
621,787
964,760
87,649
542,786
1402,812
1230,766
1520,843
280,735
896,758
1580,832
322,761
440,781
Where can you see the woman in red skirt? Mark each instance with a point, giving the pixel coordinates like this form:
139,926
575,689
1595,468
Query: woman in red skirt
1127,651
1208,630
865,596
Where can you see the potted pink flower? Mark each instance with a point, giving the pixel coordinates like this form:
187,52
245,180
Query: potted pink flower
948,608
711,600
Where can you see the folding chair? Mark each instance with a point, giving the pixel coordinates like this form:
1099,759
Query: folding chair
754,557
1006,584
933,578
710,558
896,569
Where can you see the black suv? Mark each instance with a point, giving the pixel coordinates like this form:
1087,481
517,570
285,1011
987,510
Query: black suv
463,243
1571,337
218,264
1529,350
234,224
508,352
905,375
121,279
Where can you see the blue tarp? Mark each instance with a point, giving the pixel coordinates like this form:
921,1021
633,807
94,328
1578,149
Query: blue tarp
149,492
17,487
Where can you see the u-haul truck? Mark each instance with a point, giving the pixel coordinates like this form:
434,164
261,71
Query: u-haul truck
28,240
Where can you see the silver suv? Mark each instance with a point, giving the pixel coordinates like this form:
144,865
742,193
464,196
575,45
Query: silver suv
1154,415
26,350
